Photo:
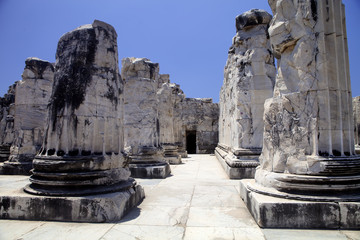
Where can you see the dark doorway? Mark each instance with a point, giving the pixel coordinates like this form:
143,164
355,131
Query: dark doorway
191,142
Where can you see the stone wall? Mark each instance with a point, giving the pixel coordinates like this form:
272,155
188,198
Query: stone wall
200,118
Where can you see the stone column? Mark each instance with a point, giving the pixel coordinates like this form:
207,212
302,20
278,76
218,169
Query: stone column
31,102
179,129
7,110
82,150
249,78
356,112
166,99
308,151
142,127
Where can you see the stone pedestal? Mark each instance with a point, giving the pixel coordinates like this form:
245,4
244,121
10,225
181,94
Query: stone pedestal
274,209
249,78
4,153
31,102
81,173
171,154
238,166
308,152
142,126
99,208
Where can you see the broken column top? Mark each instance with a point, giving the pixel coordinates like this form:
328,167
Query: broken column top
139,67
252,18
37,68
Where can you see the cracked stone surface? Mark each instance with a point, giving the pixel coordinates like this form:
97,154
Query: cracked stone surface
309,122
249,78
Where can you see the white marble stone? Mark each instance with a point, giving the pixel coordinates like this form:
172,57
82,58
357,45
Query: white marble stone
249,77
31,111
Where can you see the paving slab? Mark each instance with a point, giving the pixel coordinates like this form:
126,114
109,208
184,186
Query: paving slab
197,201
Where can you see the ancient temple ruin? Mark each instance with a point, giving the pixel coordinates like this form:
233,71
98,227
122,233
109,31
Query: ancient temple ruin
86,130
249,78
308,152
31,102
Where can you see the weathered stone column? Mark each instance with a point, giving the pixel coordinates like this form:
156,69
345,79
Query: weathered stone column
7,110
166,97
249,78
179,129
31,102
308,152
82,150
356,112
142,127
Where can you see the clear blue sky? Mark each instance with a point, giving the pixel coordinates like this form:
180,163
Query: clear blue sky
189,39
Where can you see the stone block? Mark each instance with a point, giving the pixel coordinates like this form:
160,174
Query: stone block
109,207
274,212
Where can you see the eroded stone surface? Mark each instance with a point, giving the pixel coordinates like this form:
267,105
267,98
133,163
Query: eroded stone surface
82,151
249,77
308,122
7,112
31,102
141,121
308,150
167,94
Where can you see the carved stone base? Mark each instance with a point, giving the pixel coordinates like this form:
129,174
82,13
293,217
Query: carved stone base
108,207
181,150
273,209
4,153
150,170
17,168
237,167
171,154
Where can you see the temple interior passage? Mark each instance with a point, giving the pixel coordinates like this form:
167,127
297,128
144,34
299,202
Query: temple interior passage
191,142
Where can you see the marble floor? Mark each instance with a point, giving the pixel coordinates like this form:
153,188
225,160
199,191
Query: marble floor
197,201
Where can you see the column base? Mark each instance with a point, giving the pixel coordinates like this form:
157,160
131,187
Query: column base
17,168
237,167
273,209
150,169
109,207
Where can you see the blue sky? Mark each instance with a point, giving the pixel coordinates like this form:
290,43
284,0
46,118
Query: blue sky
189,39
